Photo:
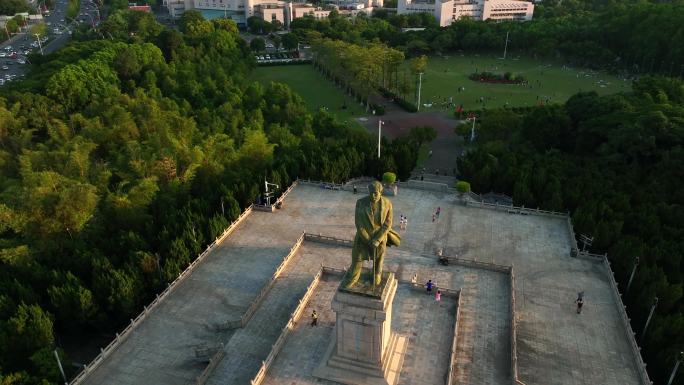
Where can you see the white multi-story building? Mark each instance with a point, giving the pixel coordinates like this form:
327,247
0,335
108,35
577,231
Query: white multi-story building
269,10
446,11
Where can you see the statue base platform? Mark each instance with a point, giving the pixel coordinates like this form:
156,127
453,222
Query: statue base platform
363,350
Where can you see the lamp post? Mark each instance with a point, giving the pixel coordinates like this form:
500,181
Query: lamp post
59,363
648,320
40,44
674,370
472,117
380,123
636,264
420,84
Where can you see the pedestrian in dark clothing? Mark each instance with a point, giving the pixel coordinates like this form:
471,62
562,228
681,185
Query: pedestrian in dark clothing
314,318
580,301
439,210
354,189
429,285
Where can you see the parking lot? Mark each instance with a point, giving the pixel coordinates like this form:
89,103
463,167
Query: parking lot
14,53
279,57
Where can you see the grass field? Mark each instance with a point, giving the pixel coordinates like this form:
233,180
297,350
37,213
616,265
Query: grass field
316,90
547,80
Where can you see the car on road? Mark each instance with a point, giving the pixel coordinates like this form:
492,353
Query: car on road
2,54
5,68
21,61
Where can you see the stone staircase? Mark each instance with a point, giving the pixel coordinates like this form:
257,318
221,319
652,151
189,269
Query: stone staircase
250,345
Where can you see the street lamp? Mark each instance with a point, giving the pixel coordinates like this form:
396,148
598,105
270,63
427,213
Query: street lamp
380,123
61,369
674,370
648,320
472,117
40,44
420,84
636,264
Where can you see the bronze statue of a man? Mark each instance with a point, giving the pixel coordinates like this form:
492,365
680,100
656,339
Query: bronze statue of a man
373,219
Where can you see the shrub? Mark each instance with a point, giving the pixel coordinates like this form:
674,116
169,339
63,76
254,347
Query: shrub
463,186
389,177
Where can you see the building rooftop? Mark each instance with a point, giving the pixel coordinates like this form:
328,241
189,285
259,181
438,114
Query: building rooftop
554,344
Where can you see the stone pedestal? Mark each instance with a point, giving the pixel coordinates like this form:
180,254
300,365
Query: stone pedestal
363,349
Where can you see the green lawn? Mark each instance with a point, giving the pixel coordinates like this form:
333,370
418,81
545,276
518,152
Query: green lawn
316,90
548,80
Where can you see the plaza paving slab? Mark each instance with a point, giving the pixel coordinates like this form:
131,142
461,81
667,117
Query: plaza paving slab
555,345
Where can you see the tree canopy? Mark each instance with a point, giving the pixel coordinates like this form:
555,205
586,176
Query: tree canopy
122,158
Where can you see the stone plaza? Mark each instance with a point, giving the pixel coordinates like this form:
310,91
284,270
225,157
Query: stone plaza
241,313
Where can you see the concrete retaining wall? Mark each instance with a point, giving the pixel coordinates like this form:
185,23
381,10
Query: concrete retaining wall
294,317
454,343
264,290
328,240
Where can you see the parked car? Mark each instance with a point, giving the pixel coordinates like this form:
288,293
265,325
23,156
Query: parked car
5,68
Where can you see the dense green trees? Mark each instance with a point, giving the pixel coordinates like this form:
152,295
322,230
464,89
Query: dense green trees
617,163
364,70
122,158
12,7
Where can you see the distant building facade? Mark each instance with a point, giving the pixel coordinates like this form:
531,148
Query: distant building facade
268,10
447,11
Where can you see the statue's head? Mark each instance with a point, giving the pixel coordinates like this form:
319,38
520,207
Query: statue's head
375,191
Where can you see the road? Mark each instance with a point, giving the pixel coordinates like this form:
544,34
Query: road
58,34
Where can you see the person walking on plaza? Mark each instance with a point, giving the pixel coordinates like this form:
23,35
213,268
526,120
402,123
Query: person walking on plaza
314,318
414,279
405,223
429,285
438,296
580,302
439,210
433,217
